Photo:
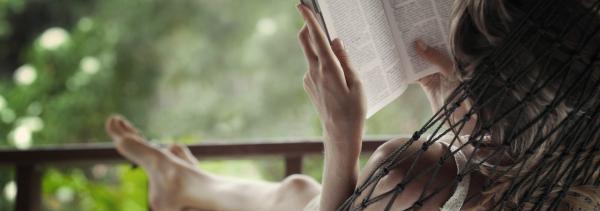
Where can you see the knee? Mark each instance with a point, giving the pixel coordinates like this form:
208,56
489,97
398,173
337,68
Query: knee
301,183
295,191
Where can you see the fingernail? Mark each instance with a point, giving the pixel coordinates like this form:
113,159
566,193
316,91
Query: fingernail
421,45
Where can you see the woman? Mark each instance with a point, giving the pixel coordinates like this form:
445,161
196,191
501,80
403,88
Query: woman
478,27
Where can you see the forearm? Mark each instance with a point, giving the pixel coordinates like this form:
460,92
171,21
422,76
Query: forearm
337,94
340,170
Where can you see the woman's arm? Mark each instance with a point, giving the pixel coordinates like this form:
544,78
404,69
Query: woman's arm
337,95
340,174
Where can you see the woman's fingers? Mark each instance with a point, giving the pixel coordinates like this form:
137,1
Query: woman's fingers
435,57
430,81
317,35
328,63
309,51
344,59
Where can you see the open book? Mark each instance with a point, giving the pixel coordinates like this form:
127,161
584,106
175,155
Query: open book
379,36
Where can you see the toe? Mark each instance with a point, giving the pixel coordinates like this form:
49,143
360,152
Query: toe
137,150
183,153
188,154
112,129
117,127
126,126
120,126
176,150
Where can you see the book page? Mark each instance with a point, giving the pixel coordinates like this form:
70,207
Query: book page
363,27
427,20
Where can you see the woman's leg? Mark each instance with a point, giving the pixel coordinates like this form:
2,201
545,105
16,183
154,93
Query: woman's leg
176,183
291,193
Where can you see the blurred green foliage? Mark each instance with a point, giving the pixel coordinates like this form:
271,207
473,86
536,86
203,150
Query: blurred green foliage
119,188
183,71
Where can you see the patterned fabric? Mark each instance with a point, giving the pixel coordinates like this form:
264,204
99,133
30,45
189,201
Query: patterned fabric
460,194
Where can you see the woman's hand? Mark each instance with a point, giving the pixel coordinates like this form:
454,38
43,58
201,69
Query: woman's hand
331,83
337,94
439,85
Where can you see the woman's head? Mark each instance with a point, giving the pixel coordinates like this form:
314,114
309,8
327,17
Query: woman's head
528,90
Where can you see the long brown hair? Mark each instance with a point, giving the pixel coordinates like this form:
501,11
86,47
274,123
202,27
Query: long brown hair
478,27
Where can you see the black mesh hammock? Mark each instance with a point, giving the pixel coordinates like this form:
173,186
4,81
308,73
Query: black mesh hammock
536,100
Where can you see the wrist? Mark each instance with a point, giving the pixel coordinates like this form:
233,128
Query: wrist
342,146
340,166
342,127
344,132
342,154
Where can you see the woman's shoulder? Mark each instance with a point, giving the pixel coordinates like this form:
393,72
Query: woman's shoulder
415,171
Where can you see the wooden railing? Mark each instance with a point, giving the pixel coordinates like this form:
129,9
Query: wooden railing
29,163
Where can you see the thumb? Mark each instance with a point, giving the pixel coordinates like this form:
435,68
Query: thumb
342,56
435,57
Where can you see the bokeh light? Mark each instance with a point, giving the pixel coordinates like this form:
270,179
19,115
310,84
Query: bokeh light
266,26
10,191
53,38
25,75
89,65
22,137
3,103
7,115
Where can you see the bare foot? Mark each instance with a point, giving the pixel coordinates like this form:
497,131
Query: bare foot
172,174
130,143
184,153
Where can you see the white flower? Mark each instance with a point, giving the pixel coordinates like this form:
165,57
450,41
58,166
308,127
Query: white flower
53,38
33,123
25,75
89,65
65,194
21,137
10,191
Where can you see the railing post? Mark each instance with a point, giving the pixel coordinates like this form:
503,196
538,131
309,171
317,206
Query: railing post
28,188
293,165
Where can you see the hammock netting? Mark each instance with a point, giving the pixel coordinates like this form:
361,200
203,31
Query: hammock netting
536,102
